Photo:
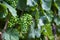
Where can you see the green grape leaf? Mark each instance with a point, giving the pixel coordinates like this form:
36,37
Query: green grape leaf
57,2
32,31
11,9
49,15
31,2
46,4
21,5
3,11
59,12
10,35
57,21
35,32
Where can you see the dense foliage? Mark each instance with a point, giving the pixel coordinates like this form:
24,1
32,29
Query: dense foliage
29,19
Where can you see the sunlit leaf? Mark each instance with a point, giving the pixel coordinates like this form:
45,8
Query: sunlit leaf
32,31
31,2
57,21
46,4
10,35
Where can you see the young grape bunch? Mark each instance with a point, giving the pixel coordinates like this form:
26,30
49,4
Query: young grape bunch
13,3
25,21
12,21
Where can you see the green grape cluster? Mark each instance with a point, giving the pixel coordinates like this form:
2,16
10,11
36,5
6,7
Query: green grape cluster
13,3
25,21
12,21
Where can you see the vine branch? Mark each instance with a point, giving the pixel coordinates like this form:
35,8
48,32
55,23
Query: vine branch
4,29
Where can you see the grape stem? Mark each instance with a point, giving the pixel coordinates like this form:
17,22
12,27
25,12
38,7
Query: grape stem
5,25
3,29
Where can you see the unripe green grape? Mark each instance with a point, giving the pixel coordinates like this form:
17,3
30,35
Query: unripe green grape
13,3
12,21
25,21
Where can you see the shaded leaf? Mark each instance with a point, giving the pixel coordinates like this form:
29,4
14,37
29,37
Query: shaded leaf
3,11
21,5
57,3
